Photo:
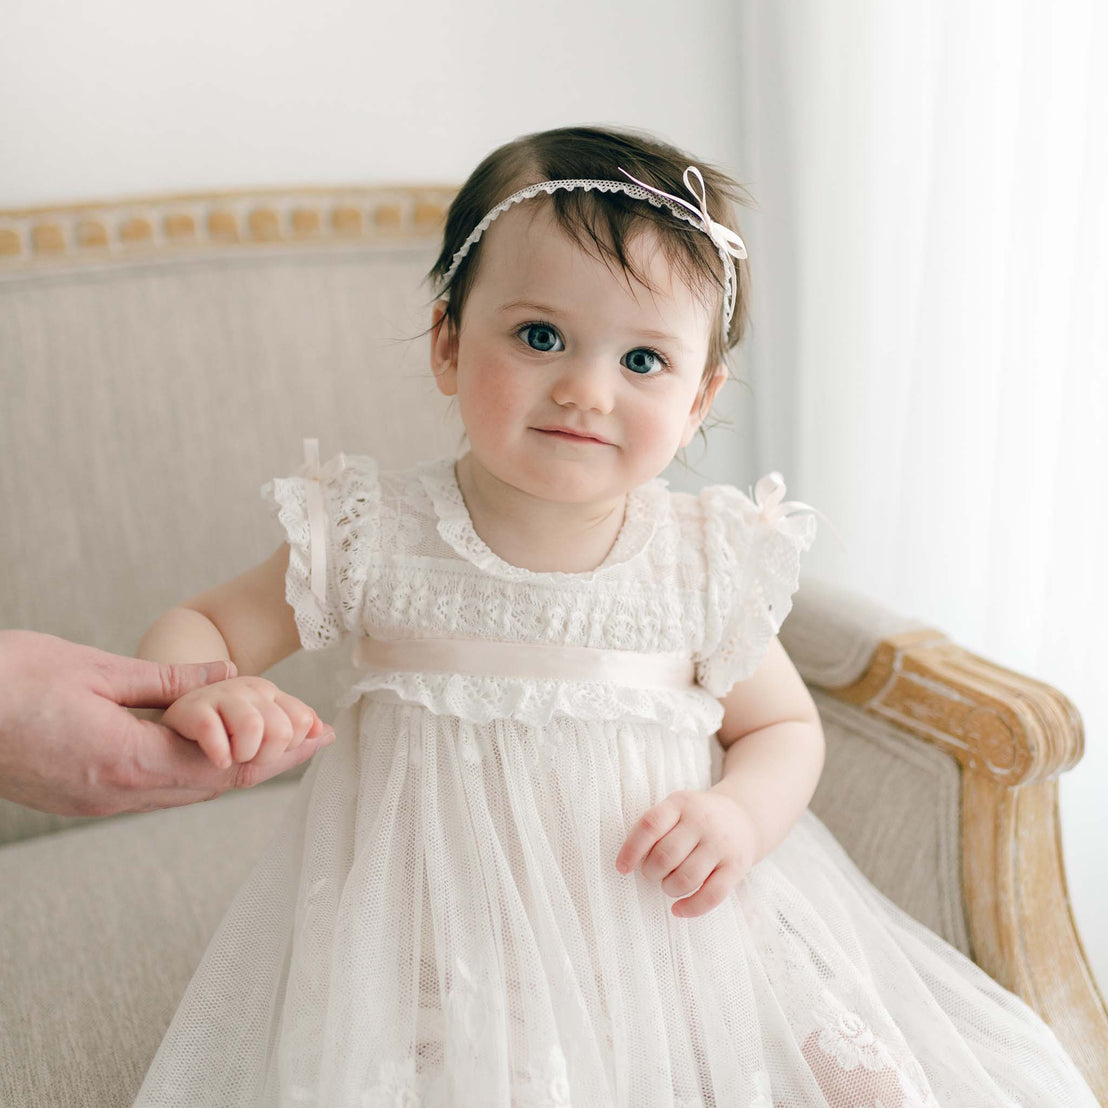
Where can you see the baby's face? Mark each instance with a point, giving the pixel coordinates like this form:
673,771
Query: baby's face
551,336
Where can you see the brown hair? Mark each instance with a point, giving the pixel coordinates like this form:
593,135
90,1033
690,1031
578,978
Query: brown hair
602,222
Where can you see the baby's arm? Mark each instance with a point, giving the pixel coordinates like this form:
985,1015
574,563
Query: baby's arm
245,620
707,839
773,748
248,622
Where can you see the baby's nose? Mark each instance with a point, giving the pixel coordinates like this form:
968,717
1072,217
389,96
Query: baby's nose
586,383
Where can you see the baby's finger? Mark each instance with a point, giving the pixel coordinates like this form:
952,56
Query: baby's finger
200,722
245,727
319,728
651,826
300,716
278,733
692,872
721,881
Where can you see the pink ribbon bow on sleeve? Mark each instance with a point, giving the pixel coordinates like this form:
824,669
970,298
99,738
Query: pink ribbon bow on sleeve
768,496
315,475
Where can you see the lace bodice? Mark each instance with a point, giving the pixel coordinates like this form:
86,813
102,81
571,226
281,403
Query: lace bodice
703,574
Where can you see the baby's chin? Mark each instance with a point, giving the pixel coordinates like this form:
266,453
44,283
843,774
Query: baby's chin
563,472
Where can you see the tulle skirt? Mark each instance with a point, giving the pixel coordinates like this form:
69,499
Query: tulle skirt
438,921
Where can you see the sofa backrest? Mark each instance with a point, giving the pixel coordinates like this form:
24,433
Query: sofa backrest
152,382
148,395
160,360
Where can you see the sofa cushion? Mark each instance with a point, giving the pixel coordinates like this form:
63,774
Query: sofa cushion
109,922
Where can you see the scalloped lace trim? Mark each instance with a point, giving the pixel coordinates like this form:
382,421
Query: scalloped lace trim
352,541
762,561
455,526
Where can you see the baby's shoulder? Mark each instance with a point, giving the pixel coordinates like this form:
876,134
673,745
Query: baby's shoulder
712,510
723,521
360,478
685,513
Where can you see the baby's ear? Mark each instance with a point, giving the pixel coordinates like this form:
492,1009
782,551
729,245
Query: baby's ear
702,403
444,349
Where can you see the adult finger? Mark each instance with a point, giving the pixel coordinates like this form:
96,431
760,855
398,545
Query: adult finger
157,767
255,772
138,683
175,771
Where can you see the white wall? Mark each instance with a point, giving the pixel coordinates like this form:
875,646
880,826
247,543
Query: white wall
118,97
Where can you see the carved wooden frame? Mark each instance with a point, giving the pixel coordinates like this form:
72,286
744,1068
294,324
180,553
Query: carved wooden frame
1011,736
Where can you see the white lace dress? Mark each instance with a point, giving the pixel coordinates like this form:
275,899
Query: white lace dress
439,920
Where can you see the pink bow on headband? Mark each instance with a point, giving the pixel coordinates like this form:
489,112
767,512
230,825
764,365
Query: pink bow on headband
723,237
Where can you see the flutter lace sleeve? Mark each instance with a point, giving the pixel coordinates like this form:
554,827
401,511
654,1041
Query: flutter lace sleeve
752,550
329,514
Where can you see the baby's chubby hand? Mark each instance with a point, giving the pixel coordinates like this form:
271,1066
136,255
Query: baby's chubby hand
693,839
244,719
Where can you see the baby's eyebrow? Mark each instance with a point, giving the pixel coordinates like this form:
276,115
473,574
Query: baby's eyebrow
663,336
545,309
533,305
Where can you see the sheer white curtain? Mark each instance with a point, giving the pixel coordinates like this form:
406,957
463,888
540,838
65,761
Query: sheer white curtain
928,355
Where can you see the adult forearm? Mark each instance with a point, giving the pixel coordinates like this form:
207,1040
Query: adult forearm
773,773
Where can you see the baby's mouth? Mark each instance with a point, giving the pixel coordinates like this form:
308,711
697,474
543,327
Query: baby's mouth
570,438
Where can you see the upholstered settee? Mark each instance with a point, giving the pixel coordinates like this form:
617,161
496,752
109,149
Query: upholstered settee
161,358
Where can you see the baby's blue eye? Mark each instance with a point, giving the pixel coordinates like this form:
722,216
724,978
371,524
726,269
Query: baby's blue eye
539,336
643,360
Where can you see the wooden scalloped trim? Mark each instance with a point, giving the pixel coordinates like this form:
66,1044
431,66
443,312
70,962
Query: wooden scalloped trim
173,224
1011,736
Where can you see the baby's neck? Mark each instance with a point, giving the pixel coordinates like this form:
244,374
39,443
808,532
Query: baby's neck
543,536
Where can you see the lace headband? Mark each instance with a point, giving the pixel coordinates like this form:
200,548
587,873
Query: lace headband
729,245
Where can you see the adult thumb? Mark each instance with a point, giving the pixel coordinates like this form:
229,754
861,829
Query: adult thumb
138,683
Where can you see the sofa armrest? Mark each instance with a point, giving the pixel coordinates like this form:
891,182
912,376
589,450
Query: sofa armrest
1009,737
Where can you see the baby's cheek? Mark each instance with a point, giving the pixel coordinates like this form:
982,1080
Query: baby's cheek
493,394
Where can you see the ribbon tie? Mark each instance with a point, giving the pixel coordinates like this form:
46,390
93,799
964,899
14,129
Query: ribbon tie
768,499
491,657
314,475
722,236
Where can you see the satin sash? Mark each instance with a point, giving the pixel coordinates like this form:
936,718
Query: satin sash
496,658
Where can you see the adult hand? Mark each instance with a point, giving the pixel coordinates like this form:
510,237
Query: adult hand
69,746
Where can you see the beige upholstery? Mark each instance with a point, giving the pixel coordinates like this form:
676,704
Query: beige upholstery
101,928
153,377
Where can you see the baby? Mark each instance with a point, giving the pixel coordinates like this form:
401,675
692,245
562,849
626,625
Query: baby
511,880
